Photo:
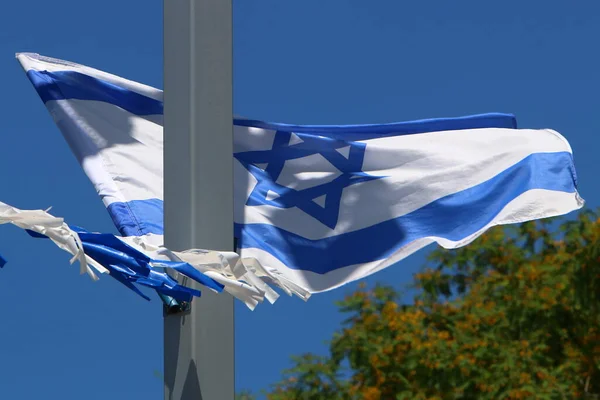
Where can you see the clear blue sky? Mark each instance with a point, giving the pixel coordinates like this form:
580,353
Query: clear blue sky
309,61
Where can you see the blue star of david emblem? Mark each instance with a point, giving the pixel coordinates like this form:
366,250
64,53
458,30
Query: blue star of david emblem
321,201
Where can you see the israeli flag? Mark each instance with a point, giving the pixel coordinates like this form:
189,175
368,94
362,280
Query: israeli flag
315,206
326,208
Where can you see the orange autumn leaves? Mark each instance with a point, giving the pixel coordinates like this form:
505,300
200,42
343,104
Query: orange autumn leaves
514,315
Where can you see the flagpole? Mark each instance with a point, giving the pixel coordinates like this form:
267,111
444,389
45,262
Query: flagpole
198,190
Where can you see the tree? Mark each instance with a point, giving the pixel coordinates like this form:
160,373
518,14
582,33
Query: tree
514,315
244,395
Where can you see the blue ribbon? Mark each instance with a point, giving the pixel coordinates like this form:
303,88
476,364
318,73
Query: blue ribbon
128,266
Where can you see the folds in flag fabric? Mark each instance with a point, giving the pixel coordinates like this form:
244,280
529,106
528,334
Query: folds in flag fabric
315,207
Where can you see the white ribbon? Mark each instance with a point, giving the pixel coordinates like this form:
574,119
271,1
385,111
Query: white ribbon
56,230
244,278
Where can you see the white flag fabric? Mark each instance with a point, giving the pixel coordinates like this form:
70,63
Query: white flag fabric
315,206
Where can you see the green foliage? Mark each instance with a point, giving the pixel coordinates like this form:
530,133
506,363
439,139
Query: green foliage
514,315
244,395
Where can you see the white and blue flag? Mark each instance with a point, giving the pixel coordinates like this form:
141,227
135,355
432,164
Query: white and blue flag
315,207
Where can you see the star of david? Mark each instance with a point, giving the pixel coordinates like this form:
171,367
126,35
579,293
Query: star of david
322,201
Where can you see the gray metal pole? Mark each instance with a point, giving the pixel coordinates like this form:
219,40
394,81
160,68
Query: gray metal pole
198,189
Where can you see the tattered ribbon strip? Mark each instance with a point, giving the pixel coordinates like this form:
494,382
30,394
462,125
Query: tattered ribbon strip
55,229
244,278
135,260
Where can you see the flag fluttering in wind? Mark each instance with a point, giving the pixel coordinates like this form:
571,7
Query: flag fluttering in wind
315,207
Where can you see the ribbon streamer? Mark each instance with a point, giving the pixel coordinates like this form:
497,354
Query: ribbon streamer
41,223
141,261
244,278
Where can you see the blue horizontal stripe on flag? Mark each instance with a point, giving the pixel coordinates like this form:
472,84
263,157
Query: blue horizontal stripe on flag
138,217
62,85
550,171
372,131
453,217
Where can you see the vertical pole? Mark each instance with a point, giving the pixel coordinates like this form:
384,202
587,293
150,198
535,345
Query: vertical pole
198,189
